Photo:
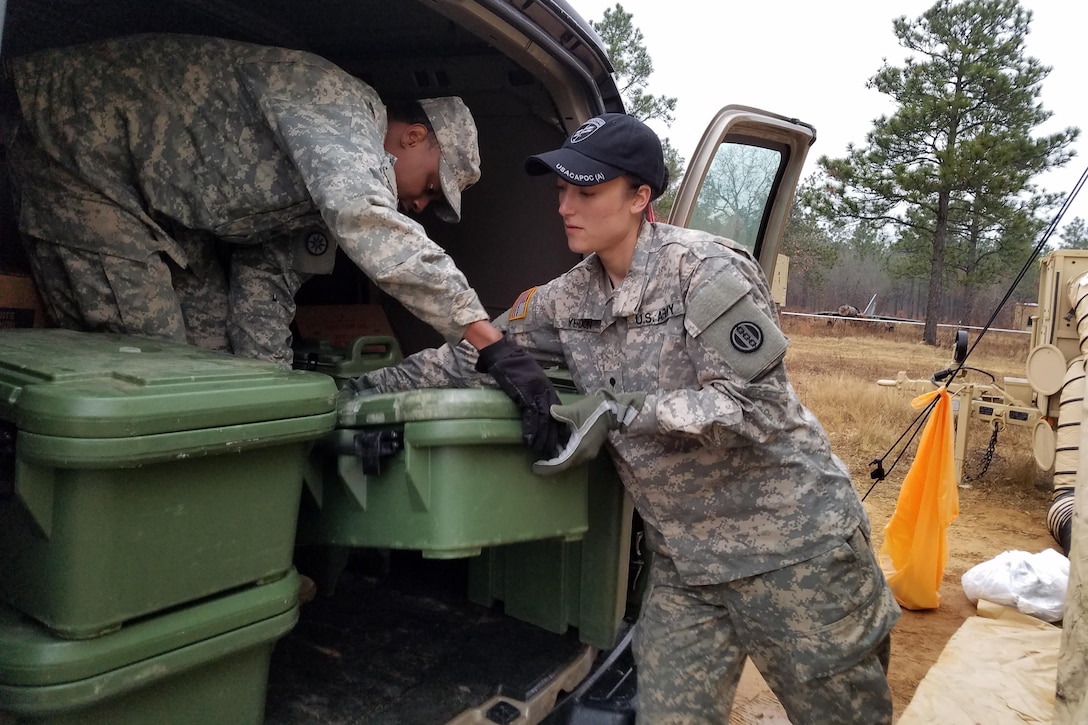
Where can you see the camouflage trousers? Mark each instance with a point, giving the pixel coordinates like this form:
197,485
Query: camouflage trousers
104,267
263,283
87,290
251,317
818,632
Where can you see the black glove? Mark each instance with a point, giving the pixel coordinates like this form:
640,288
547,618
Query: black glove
524,381
357,387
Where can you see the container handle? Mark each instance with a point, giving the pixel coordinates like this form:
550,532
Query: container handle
390,355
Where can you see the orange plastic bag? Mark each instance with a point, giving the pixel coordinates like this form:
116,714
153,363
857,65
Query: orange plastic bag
915,548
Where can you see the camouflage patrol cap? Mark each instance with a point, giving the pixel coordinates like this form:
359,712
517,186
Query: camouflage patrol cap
459,165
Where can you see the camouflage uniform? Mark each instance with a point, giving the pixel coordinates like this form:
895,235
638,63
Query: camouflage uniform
761,542
137,156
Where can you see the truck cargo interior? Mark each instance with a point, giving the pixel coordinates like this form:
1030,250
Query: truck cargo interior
410,634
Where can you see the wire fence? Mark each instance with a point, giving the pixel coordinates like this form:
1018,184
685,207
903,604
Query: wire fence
881,321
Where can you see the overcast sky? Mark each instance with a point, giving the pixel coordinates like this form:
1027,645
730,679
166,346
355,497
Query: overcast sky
811,60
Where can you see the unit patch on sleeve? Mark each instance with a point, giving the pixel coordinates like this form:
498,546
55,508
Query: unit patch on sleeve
314,251
724,316
746,336
521,305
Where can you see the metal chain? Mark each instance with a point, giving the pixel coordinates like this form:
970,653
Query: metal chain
987,457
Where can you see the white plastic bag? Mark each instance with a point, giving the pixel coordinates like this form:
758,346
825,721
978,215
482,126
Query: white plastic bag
1030,583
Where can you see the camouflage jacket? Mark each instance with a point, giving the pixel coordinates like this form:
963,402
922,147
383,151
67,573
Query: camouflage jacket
239,140
731,473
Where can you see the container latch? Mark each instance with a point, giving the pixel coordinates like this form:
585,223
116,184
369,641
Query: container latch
374,447
308,362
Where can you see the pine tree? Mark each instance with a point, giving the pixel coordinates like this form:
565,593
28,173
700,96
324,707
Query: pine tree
633,67
950,168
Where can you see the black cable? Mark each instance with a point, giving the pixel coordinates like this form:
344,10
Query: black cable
599,671
941,375
1047,233
880,474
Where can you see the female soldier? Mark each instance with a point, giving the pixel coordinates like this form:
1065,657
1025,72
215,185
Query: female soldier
760,543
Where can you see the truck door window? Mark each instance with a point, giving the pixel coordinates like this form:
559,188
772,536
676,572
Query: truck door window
736,193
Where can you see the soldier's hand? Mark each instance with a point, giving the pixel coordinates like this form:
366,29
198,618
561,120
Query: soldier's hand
358,387
524,381
351,394
590,419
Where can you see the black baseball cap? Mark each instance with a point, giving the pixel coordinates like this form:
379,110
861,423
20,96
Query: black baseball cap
604,148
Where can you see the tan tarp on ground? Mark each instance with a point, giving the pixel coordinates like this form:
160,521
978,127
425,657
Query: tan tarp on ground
998,668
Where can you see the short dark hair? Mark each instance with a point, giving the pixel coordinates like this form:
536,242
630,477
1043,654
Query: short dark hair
408,112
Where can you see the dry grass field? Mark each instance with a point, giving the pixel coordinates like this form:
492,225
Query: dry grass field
835,368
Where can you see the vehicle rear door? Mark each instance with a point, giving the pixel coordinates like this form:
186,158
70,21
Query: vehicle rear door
741,181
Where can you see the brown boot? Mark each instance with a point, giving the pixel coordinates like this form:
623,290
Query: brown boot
307,590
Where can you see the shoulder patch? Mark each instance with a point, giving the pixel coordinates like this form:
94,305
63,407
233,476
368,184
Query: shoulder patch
314,251
709,302
520,307
723,316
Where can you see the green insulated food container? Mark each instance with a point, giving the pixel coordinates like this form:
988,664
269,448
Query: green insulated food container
441,471
139,475
203,663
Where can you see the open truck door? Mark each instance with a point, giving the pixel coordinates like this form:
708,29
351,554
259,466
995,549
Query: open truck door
741,180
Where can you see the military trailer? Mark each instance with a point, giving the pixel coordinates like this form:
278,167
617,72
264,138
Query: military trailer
158,503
